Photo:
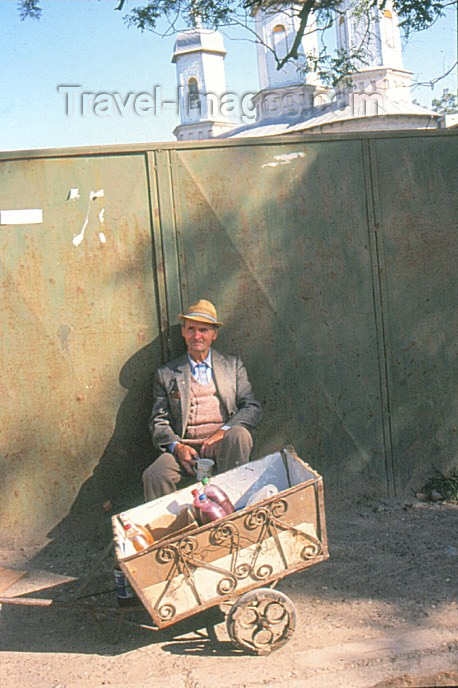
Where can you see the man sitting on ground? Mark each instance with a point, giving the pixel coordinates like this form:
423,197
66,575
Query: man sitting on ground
203,407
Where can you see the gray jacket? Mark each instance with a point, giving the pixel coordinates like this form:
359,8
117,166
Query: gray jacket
171,390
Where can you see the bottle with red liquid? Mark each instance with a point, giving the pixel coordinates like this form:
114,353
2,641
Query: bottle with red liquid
208,510
217,494
196,503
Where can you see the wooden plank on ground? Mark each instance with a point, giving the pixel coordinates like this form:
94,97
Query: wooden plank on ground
36,580
8,577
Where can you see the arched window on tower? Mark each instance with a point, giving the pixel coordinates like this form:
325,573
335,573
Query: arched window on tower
193,94
342,34
389,28
279,41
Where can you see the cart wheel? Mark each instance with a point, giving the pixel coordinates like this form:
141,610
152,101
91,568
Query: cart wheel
261,621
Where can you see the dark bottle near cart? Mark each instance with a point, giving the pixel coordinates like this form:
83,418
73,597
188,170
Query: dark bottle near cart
125,595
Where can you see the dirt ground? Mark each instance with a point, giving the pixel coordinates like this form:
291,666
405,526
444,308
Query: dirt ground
381,613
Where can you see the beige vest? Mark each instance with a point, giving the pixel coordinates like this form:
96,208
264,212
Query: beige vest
205,413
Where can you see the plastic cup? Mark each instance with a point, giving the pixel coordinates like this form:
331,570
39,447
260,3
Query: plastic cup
204,468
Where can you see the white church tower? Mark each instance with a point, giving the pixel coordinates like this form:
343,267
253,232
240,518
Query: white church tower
199,57
382,72
378,99
285,91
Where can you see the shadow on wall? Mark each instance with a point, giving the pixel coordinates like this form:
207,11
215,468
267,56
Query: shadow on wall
295,291
116,480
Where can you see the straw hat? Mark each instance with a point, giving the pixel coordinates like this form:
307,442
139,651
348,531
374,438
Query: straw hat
202,311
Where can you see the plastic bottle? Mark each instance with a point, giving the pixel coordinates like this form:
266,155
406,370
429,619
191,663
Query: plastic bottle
139,535
210,511
196,494
265,492
216,494
196,503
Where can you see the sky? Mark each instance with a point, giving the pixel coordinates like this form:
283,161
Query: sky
86,44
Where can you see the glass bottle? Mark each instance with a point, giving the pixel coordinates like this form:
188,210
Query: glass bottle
138,535
125,595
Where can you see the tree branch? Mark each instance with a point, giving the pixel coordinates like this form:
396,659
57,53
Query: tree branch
433,82
304,15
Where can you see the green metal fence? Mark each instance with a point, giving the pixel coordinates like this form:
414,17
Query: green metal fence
332,262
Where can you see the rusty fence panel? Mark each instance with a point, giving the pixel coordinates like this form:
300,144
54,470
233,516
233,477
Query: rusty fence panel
79,337
288,260
416,211
330,259
333,261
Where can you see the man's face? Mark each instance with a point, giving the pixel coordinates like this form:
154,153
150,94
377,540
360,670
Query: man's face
199,337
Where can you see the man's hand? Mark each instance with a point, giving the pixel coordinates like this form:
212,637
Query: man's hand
212,441
186,456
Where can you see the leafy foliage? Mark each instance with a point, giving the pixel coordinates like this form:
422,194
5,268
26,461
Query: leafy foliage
446,104
334,70
29,9
414,15
444,485
417,15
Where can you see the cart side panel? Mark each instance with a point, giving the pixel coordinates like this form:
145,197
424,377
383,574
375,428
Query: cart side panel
215,541
249,549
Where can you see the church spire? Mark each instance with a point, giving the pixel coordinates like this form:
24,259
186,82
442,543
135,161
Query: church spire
381,75
199,57
377,32
277,30
285,92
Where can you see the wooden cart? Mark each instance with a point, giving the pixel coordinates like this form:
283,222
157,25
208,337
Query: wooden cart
235,562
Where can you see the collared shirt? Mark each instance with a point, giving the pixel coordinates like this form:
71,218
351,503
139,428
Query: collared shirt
202,372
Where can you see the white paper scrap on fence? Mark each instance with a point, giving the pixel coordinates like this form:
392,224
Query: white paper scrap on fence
26,216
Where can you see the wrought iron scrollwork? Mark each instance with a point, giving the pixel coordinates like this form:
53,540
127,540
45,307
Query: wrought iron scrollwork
166,612
312,549
262,572
242,571
226,585
186,555
279,507
224,533
184,559
257,518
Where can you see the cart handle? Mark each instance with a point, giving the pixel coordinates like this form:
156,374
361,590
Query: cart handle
46,602
37,602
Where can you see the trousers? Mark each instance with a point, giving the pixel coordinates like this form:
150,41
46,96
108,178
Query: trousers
162,476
